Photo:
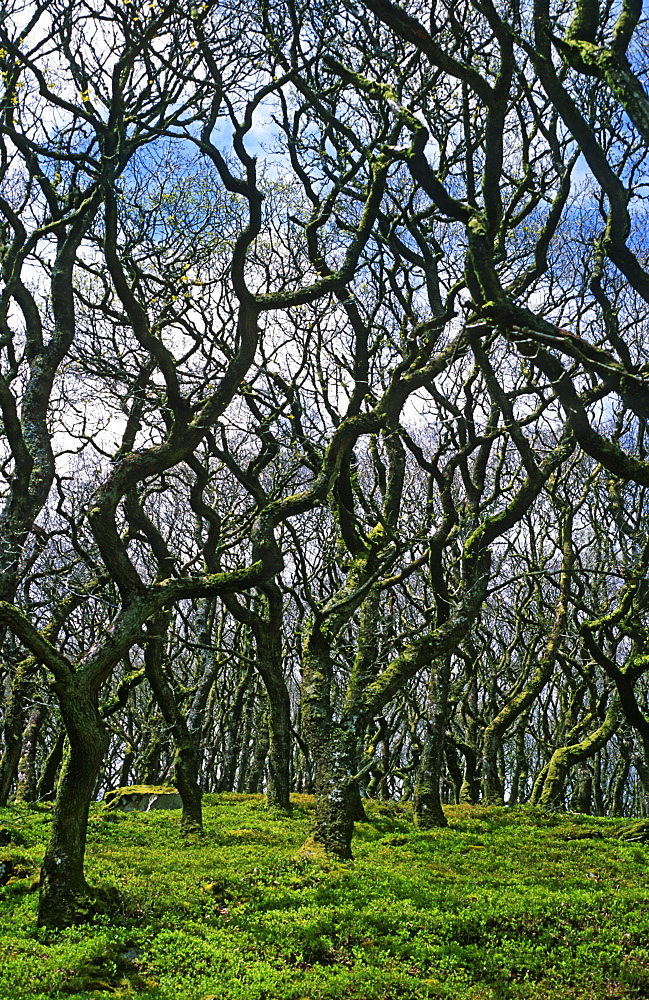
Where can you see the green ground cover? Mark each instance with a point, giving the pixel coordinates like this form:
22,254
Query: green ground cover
501,905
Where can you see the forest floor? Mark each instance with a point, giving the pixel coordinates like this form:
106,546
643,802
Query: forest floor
502,905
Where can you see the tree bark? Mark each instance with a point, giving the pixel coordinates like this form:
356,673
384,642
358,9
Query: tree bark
255,782
233,745
564,758
428,811
12,730
26,785
333,752
518,788
186,751
65,897
582,797
267,631
245,744
470,788
453,767
47,780
332,747
268,639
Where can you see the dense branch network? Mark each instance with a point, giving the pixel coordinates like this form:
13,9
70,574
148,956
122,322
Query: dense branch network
323,393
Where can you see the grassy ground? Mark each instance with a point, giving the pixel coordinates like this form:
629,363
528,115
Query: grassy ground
502,905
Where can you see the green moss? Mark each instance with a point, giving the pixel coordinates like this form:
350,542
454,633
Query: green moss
635,832
520,903
312,850
14,868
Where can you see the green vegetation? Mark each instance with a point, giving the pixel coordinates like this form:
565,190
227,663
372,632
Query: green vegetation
502,904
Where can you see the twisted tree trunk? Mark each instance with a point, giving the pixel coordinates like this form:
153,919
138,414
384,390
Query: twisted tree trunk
565,758
428,811
186,749
65,896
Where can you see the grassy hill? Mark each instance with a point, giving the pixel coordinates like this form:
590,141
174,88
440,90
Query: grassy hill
501,905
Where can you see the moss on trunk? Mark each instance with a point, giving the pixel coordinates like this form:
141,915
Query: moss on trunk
65,897
565,758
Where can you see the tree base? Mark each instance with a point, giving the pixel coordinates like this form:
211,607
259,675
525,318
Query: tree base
427,818
191,828
57,910
314,850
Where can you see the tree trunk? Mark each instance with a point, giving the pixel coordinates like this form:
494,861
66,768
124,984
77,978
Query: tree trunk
640,764
539,782
268,640
525,693
565,758
492,787
267,630
150,765
125,770
427,800
385,789
12,730
453,767
26,785
200,711
333,752
186,752
255,782
582,796
518,788
279,753
470,787
332,749
373,786
47,780
245,748
625,681
620,780
65,897
234,730
428,809
186,781
598,792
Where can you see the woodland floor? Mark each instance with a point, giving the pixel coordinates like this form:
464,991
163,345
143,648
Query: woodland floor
504,904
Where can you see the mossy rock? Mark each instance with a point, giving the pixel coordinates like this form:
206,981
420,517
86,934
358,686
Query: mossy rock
577,834
637,833
397,840
21,885
13,868
10,835
115,971
6,868
143,798
386,808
